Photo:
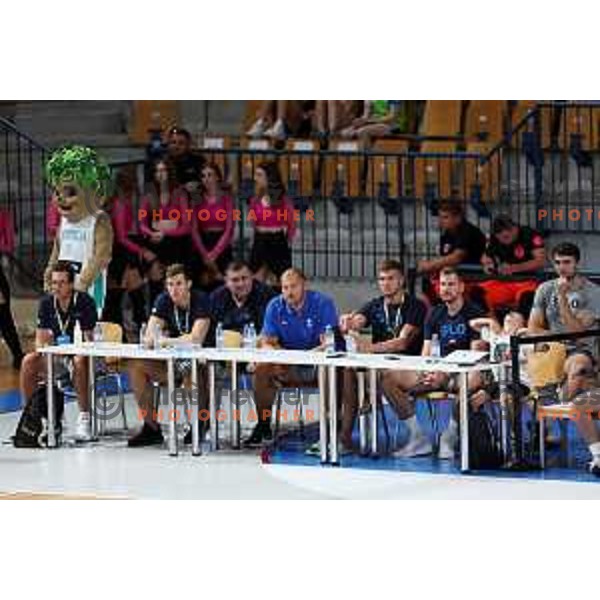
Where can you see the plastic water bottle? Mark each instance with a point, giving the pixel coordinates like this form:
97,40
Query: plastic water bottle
436,350
251,336
78,334
219,337
329,340
350,344
156,336
143,330
98,333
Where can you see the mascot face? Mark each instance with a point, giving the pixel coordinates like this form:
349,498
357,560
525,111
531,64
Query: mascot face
78,177
73,202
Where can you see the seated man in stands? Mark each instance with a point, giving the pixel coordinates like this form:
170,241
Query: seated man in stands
58,313
188,166
240,302
461,243
294,320
396,319
512,250
180,313
571,303
449,323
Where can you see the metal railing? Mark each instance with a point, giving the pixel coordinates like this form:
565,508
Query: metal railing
354,208
368,205
23,197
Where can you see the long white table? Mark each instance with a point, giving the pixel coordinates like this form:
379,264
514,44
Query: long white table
325,364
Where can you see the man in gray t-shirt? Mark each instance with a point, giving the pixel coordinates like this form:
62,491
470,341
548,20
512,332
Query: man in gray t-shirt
571,303
567,305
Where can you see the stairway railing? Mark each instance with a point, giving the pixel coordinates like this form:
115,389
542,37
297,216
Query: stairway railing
24,195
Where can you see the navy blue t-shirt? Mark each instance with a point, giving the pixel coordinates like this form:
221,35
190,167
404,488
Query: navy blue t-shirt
300,330
453,331
180,321
223,309
386,321
82,308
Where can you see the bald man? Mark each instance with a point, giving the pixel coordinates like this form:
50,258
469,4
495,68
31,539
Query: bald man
294,320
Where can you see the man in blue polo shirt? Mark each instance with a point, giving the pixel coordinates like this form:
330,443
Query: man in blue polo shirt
295,320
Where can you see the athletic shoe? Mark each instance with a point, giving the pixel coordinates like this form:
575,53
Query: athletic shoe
257,130
315,450
83,432
448,441
418,445
261,433
276,132
187,438
594,467
147,436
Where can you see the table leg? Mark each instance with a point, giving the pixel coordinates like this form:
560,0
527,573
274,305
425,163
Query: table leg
463,400
323,441
502,373
50,401
333,417
362,417
373,398
234,417
195,401
173,407
93,397
212,406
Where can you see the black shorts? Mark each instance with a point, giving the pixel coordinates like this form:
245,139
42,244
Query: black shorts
271,250
121,259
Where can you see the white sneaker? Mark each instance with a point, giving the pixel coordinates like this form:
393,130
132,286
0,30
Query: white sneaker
417,445
257,130
277,131
448,441
83,432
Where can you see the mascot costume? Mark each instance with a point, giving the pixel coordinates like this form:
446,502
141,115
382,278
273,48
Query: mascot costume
85,235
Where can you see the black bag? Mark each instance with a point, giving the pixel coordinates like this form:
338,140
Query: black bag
31,431
484,447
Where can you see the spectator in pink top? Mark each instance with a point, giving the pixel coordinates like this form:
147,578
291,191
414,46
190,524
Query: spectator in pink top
129,257
164,224
212,229
274,228
52,218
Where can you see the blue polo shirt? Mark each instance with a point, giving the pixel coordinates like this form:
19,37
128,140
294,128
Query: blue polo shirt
300,330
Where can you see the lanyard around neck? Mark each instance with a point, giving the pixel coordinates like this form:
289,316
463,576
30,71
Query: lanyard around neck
64,325
397,320
178,321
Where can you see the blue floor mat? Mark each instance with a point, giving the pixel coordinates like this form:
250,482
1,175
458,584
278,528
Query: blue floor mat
291,450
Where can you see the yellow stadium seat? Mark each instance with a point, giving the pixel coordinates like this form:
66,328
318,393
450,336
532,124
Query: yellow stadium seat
214,149
299,171
442,118
485,118
436,171
343,170
487,175
390,170
152,114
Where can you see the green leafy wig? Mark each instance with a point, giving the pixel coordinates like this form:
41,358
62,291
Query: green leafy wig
80,165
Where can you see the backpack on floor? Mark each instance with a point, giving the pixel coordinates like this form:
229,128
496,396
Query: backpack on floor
31,430
484,446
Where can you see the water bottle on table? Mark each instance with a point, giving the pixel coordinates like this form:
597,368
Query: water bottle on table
219,337
436,350
329,340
